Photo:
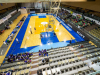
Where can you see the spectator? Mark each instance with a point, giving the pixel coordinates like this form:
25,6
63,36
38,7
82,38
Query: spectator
39,54
9,39
29,61
39,72
20,57
9,60
43,52
34,28
7,27
14,31
5,43
46,60
43,61
82,46
70,41
79,46
30,30
25,61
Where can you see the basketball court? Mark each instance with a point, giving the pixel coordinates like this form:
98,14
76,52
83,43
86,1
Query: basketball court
34,39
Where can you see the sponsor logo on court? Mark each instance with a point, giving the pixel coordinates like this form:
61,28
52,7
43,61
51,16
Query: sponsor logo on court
69,25
80,34
66,26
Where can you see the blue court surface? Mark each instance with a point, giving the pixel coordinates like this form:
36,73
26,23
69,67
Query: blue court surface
48,37
77,37
15,47
49,46
42,16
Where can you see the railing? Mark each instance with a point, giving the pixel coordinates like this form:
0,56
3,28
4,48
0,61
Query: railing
82,29
97,43
90,35
94,73
94,39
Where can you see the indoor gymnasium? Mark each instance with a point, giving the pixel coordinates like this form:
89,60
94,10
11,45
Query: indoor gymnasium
49,37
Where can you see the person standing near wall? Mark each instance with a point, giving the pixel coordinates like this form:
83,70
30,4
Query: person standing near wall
5,43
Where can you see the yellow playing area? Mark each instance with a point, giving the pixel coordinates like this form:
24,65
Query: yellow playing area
34,38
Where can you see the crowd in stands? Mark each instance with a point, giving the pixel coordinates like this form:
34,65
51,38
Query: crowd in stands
7,72
43,53
10,37
78,20
86,12
7,18
81,46
1,31
81,22
7,27
20,57
64,13
45,61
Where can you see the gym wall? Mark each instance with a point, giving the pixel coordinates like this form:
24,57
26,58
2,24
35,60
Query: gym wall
6,5
92,5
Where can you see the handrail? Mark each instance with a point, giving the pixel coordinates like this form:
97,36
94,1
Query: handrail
84,30
94,39
94,73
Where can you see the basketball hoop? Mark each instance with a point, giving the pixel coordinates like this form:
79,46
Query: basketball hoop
43,23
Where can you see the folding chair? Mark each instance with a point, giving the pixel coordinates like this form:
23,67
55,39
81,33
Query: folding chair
28,65
7,69
58,70
17,73
49,72
20,67
14,73
12,68
44,73
3,70
22,72
18,63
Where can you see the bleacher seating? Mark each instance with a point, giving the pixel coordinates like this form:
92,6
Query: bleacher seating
14,17
7,18
16,67
12,34
69,60
89,13
95,32
80,22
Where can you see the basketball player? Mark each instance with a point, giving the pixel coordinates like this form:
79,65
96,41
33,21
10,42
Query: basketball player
30,30
34,28
60,23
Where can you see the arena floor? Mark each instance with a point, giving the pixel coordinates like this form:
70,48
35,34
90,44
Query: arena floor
34,39
28,41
